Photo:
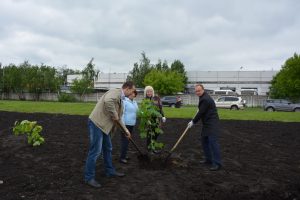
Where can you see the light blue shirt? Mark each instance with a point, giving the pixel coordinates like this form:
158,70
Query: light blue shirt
129,112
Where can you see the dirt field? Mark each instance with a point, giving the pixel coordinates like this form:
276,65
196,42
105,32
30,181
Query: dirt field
261,161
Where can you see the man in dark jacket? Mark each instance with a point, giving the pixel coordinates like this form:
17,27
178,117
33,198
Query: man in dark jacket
208,114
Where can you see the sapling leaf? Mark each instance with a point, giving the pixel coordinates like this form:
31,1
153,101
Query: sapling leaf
149,123
31,129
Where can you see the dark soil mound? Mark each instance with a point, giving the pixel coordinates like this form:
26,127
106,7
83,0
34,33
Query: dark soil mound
261,161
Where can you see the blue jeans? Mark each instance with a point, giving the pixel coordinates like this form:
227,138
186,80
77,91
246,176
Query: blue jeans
124,142
99,142
211,149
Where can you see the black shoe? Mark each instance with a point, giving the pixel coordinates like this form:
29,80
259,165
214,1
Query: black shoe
204,162
215,168
116,174
124,161
93,183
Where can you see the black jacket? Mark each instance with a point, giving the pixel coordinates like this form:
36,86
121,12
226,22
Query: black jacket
208,114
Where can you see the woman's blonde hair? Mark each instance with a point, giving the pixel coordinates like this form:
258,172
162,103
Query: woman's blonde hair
148,88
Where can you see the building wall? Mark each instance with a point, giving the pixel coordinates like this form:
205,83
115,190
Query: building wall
110,80
214,80
211,80
72,77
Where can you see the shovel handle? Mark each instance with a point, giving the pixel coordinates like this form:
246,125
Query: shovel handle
179,140
130,139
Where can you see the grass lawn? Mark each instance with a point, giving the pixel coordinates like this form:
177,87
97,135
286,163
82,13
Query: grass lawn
184,112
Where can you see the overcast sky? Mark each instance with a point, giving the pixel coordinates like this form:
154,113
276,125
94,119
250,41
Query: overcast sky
204,35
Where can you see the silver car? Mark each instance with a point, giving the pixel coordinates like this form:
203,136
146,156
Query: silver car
230,102
280,105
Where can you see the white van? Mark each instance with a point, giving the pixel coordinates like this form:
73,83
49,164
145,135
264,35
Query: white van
249,92
224,92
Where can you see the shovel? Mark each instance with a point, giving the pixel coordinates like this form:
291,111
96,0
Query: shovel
142,155
176,144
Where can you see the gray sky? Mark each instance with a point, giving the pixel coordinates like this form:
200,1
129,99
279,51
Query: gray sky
204,35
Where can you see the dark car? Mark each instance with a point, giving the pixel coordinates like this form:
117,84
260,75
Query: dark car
171,101
280,105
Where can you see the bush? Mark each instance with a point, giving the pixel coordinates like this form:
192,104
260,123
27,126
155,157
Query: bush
31,130
64,97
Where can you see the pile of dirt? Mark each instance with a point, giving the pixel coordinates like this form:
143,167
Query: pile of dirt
261,161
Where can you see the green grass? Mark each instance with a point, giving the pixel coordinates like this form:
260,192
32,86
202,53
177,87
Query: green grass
184,112
47,107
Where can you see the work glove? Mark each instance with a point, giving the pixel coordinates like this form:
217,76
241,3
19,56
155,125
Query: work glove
163,119
190,124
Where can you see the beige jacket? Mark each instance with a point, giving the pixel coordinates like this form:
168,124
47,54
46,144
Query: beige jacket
109,105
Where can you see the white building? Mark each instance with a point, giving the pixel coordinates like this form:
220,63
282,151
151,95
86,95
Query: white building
110,80
259,81
72,77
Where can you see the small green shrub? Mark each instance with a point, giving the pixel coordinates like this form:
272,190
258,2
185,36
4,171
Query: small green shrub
64,97
31,129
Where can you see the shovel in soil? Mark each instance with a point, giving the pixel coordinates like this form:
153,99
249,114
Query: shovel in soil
176,144
142,156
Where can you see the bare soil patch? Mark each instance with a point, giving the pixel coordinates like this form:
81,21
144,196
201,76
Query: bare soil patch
261,161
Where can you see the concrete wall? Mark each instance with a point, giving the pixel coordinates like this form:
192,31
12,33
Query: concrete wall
187,99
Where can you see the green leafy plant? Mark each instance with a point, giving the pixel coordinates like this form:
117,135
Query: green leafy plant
31,129
149,123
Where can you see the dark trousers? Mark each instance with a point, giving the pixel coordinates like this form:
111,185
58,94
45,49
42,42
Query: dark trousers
211,149
125,142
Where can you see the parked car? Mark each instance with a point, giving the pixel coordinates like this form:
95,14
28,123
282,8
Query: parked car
171,101
230,102
280,105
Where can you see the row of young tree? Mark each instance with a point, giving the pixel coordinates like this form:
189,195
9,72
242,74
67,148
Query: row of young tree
166,80
38,79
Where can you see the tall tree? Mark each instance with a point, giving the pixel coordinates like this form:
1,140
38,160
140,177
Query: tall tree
63,72
286,83
139,71
178,66
165,66
89,72
165,82
86,84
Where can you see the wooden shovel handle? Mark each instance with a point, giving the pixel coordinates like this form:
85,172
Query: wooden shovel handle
130,139
179,140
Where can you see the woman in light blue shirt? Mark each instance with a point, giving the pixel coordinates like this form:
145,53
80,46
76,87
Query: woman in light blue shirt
129,118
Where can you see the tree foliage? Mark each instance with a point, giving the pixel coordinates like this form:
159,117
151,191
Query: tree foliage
178,66
139,71
140,75
165,82
85,85
29,78
286,83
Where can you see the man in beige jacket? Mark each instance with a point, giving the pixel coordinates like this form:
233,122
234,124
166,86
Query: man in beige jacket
101,122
